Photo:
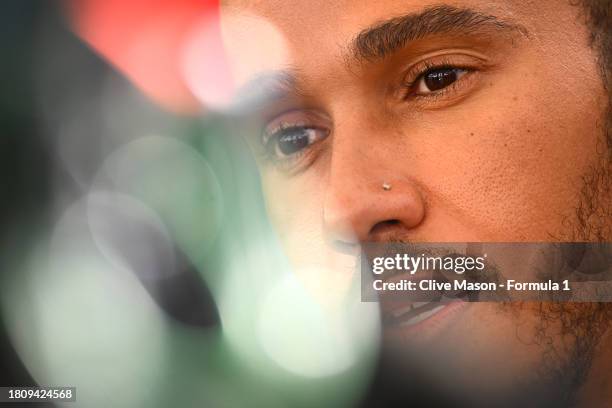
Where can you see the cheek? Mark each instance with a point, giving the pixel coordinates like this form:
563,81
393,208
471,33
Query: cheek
294,206
295,209
514,171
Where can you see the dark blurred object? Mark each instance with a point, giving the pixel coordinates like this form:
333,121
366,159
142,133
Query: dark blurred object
25,157
50,79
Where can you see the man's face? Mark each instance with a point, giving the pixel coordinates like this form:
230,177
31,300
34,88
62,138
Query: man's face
481,117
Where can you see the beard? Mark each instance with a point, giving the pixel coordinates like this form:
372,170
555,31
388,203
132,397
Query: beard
592,221
565,365
581,325
568,335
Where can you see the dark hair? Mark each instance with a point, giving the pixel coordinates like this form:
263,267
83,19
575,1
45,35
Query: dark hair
598,14
597,189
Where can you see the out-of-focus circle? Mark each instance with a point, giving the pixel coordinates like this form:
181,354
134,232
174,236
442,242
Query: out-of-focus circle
254,47
204,66
304,338
175,181
75,319
130,235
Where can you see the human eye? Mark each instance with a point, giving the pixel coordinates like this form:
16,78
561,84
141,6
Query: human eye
439,81
290,140
436,79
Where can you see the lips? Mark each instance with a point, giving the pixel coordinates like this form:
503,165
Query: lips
417,313
412,314
420,322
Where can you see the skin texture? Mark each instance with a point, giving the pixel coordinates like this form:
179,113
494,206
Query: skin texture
501,155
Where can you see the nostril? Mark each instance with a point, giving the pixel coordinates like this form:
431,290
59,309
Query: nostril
384,227
353,214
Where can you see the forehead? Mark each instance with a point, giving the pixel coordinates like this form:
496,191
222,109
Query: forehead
319,18
263,35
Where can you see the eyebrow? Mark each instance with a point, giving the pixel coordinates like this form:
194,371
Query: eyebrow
377,42
385,38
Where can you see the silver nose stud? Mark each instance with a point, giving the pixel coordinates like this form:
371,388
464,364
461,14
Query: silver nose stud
386,186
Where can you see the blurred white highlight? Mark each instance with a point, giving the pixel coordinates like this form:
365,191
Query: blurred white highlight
253,46
300,336
130,235
176,182
76,319
204,67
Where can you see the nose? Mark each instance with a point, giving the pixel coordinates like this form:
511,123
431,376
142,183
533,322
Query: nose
369,203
